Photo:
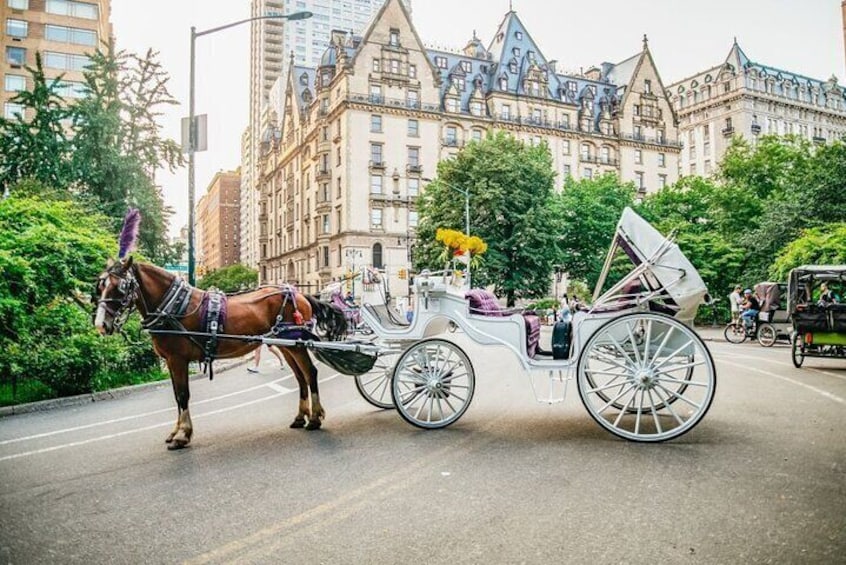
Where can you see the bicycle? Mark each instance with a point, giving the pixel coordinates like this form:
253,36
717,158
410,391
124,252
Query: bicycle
737,331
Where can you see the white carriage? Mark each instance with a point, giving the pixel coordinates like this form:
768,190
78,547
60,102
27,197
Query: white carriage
642,372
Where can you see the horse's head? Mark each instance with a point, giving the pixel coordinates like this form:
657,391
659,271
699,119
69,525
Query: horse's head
117,288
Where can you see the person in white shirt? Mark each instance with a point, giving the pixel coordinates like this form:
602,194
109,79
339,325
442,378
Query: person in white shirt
735,300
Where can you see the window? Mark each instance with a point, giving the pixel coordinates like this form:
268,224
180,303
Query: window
638,157
338,189
647,86
587,173
637,133
72,89
376,222
707,166
395,66
637,109
65,61
451,135
466,66
337,156
413,186
376,93
512,67
459,83
452,105
660,135
477,135
376,153
325,255
506,112
605,153
325,223
414,156
376,123
377,249
413,216
536,116
17,28
394,38
11,109
15,56
441,62
71,8
18,4
566,170
662,160
518,35
516,51
476,108
15,83
639,180
413,128
70,35
585,151
662,181
375,184
503,83
413,99
412,71
565,121
377,65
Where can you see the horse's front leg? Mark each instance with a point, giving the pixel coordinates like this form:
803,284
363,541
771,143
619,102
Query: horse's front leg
303,412
317,412
181,435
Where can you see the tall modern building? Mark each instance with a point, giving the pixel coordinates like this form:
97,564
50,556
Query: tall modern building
272,45
63,31
742,97
366,127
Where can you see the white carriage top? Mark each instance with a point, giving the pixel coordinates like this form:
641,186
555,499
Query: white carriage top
662,276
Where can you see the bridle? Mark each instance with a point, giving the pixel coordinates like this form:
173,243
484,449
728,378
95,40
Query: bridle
119,308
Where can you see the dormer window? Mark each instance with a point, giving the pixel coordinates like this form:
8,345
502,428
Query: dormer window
304,79
503,83
531,55
518,35
441,62
647,86
571,86
466,66
459,83
516,51
512,67
394,38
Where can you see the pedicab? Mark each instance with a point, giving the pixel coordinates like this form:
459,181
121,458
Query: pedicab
773,319
819,322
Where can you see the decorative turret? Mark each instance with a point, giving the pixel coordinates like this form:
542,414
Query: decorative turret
475,48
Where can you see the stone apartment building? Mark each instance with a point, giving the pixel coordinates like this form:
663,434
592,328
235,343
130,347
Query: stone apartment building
63,31
218,216
364,129
745,98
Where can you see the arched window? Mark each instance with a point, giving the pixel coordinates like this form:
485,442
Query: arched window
377,256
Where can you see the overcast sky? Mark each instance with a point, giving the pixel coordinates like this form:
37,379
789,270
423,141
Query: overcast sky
685,36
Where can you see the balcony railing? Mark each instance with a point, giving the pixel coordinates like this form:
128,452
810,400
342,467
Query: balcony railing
414,168
599,160
378,164
756,129
452,142
728,131
380,100
819,139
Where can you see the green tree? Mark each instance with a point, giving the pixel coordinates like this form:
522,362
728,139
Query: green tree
36,148
510,185
587,212
825,245
233,278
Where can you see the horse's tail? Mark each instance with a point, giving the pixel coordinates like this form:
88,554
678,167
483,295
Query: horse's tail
329,318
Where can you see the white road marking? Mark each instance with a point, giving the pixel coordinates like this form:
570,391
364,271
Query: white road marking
787,379
151,427
768,360
279,388
141,415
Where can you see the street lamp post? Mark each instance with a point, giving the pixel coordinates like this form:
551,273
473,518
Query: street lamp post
465,192
192,126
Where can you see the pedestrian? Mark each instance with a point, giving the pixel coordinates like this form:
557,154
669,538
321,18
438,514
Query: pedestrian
751,307
409,311
735,301
257,357
827,296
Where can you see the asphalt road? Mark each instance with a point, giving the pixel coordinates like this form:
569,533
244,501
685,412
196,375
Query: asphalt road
761,480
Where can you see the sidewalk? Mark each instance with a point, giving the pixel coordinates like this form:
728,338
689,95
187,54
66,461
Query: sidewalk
220,366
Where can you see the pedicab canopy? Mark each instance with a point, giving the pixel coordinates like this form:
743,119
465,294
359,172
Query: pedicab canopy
662,275
803,280
769,295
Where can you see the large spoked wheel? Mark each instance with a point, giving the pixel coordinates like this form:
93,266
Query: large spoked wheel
433,384
375,385
735,332
646,377
797,350
767,335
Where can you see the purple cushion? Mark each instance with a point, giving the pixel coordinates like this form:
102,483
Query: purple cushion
484,303
532,333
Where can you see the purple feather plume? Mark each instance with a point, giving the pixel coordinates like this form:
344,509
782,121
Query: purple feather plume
129,233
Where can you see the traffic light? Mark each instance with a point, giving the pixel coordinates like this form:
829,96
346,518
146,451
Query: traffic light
403,274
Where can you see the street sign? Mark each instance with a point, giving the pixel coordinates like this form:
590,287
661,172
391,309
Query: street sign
201,132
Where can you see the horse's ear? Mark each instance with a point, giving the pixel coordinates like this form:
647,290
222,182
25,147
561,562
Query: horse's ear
110,263
126,262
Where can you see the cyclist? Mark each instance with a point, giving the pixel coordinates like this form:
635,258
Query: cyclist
750,308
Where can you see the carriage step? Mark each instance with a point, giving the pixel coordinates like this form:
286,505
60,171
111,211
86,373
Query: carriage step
554,390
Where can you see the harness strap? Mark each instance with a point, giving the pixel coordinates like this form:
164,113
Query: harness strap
213,324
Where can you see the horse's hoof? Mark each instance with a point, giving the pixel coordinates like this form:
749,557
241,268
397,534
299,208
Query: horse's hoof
298,423
176,445
314,424
170,437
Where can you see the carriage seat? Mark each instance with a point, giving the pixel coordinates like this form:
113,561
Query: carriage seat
484,303
386,318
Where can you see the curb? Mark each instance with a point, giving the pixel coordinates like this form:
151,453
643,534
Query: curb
82,399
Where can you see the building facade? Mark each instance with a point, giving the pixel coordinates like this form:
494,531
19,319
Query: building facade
366,128
748,99
270,43
63,31
218,219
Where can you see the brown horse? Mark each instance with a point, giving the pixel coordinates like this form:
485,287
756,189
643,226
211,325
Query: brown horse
126,284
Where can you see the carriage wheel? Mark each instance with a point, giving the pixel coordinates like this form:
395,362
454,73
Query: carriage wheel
767,334
375,385
433,384
797,350
735,332
646,377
